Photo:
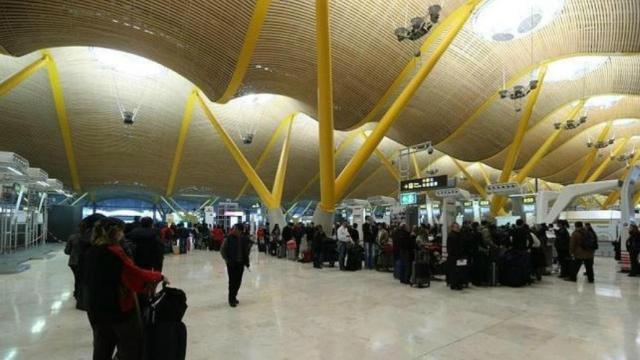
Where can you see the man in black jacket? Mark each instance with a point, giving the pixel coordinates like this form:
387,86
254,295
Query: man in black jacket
149,251
562,248
235,252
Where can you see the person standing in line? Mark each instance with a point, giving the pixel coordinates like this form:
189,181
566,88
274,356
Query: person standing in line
369,235
149,253
455,252
235,252
562,248
344,238
112,281
633,245
591,231
316,246
582,252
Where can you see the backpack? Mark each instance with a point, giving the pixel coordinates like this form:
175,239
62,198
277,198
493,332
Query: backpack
589,241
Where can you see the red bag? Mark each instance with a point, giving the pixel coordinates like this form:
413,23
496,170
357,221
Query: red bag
291,244
307,256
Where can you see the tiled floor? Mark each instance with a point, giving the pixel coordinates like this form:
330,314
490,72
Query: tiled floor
291,311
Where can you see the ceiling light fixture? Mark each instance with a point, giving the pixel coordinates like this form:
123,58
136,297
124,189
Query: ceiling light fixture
419,26
505,20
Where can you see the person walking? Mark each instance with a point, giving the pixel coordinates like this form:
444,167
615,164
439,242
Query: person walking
112,281
634,249
344,238
581,247
235,252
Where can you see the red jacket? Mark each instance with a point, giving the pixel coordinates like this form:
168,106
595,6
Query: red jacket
135,279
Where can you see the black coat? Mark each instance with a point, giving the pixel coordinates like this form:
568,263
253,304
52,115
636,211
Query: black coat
235,249
287,233
149,251
455,246
520,238
406,244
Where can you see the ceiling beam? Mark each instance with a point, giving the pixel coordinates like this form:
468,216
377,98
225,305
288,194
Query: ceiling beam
514,150
16,79
452,25
63,120
249,45
479,188
281,172
616,151
182,138
615,195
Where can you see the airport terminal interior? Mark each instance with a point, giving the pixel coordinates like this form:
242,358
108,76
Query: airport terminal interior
319,179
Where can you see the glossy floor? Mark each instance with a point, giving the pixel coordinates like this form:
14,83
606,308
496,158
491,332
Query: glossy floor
290,311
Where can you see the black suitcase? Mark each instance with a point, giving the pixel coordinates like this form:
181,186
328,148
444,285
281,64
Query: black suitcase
458,273
354,259
262,247
420,274
282,251
492,276
273,248
165,334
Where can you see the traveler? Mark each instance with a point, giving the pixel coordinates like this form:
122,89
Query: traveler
344,238
562,248
634,249
287,233
406,247
520,236
149,252
182,234
217,237
487,237
369,235
582,251
589,228
112,280
76,246
235,252
538,260
275,233
455,251
316,246
355,235
298,233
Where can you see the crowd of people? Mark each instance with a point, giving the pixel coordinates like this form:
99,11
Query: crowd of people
117,265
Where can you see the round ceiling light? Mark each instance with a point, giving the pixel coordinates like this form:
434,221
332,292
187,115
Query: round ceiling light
573,68
126,63
505,20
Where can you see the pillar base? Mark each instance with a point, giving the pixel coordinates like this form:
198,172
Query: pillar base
324,218
276,216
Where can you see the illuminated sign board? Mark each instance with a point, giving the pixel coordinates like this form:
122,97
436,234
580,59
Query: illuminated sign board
427,183
485,203
408,199
233,213
529,200
435,205
468,204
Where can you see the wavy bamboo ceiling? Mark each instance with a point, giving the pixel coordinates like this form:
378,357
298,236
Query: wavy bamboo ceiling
203,40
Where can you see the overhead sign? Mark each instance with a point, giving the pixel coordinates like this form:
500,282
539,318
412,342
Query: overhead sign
485,203
423,184
467,204
408,198
529,200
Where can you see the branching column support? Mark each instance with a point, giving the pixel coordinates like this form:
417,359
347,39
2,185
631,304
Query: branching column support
16,79
479,188
591,157
514,150
325,108
182,138
63,121
416,168
452,24
619,147
615,195
544,149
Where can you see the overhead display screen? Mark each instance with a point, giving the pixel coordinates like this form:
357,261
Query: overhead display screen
424,184
408,199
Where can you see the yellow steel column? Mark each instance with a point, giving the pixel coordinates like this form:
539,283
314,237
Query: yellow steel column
596,174
14,80
325,107
281,173
182,138
636,198
240,159
542,150
416,168
387,164
487,181
453,24
63,121
267,149
588,163
514,150
341,148
250,40
473,181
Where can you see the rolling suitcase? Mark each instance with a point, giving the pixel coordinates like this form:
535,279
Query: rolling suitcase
458,274
354,259
282,252
307,256
492,276
515,268
420,272
165,335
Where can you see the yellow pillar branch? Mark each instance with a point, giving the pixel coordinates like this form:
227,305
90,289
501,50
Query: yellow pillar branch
63,121
615,195
182,138
278,183
596,174
481,190
453,24
588,163
325,107
240,159
416,168
487,180
267,149
250,41
14,80
514,150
